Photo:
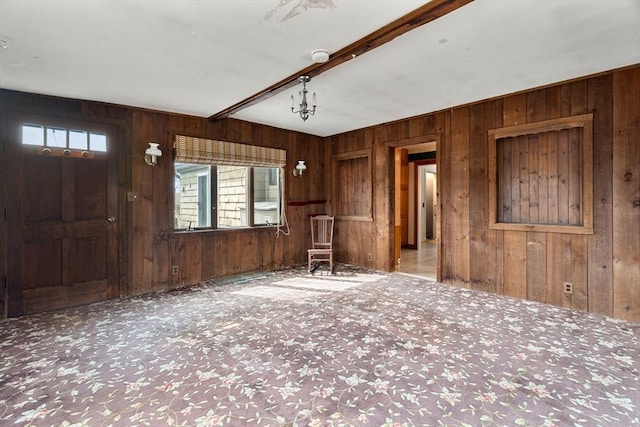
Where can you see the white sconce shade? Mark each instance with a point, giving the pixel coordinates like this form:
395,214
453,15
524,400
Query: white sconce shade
152,153
299,169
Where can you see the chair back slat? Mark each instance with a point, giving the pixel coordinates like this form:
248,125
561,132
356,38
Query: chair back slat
322,232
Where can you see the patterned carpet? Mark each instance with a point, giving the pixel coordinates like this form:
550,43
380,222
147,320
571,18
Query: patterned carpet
354,349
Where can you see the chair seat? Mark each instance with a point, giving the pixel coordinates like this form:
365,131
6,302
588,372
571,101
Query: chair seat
320,251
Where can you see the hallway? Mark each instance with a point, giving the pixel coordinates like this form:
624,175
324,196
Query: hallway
421,262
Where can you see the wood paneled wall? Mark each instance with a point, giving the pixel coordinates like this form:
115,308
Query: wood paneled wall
205,255
148,246
604,267
3,222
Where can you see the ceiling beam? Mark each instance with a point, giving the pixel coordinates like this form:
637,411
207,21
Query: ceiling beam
423,15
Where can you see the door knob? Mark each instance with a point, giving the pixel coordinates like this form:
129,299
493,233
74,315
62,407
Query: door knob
111,219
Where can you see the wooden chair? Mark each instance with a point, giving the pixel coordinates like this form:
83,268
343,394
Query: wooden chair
321,240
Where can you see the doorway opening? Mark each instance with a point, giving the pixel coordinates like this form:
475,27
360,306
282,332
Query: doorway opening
416,216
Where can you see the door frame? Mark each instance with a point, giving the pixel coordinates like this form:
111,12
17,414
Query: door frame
405,143
14,211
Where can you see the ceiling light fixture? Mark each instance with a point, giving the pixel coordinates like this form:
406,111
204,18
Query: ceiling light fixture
304,110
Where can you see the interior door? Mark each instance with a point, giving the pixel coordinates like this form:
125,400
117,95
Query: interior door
61,215
397,229
430,203
404,197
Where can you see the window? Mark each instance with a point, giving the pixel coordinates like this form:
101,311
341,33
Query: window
232,196
273,177
541,176
59,141
204,200
32,135
226,186
266,196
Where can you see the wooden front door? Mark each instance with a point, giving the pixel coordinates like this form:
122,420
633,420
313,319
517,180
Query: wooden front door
63,247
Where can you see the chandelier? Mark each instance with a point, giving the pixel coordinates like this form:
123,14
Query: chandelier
304,110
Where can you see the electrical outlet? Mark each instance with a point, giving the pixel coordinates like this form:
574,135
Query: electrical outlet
175,269
568,288
370,257
132,197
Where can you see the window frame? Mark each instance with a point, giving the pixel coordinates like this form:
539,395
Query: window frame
216,153
585,122
207,208
247,199
214,202
50,126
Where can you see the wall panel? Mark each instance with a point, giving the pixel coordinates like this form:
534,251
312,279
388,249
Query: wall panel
3,222
459,207
494,243
603,268
626,194
481,256
600,262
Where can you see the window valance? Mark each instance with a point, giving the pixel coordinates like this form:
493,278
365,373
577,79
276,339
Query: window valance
210,151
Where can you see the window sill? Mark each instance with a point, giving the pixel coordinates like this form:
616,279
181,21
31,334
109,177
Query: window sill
219,230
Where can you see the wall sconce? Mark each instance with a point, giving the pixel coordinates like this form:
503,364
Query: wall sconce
300,167
152,153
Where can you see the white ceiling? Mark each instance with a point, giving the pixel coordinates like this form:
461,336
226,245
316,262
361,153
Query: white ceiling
199,57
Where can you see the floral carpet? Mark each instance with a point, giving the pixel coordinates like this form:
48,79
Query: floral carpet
352,349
